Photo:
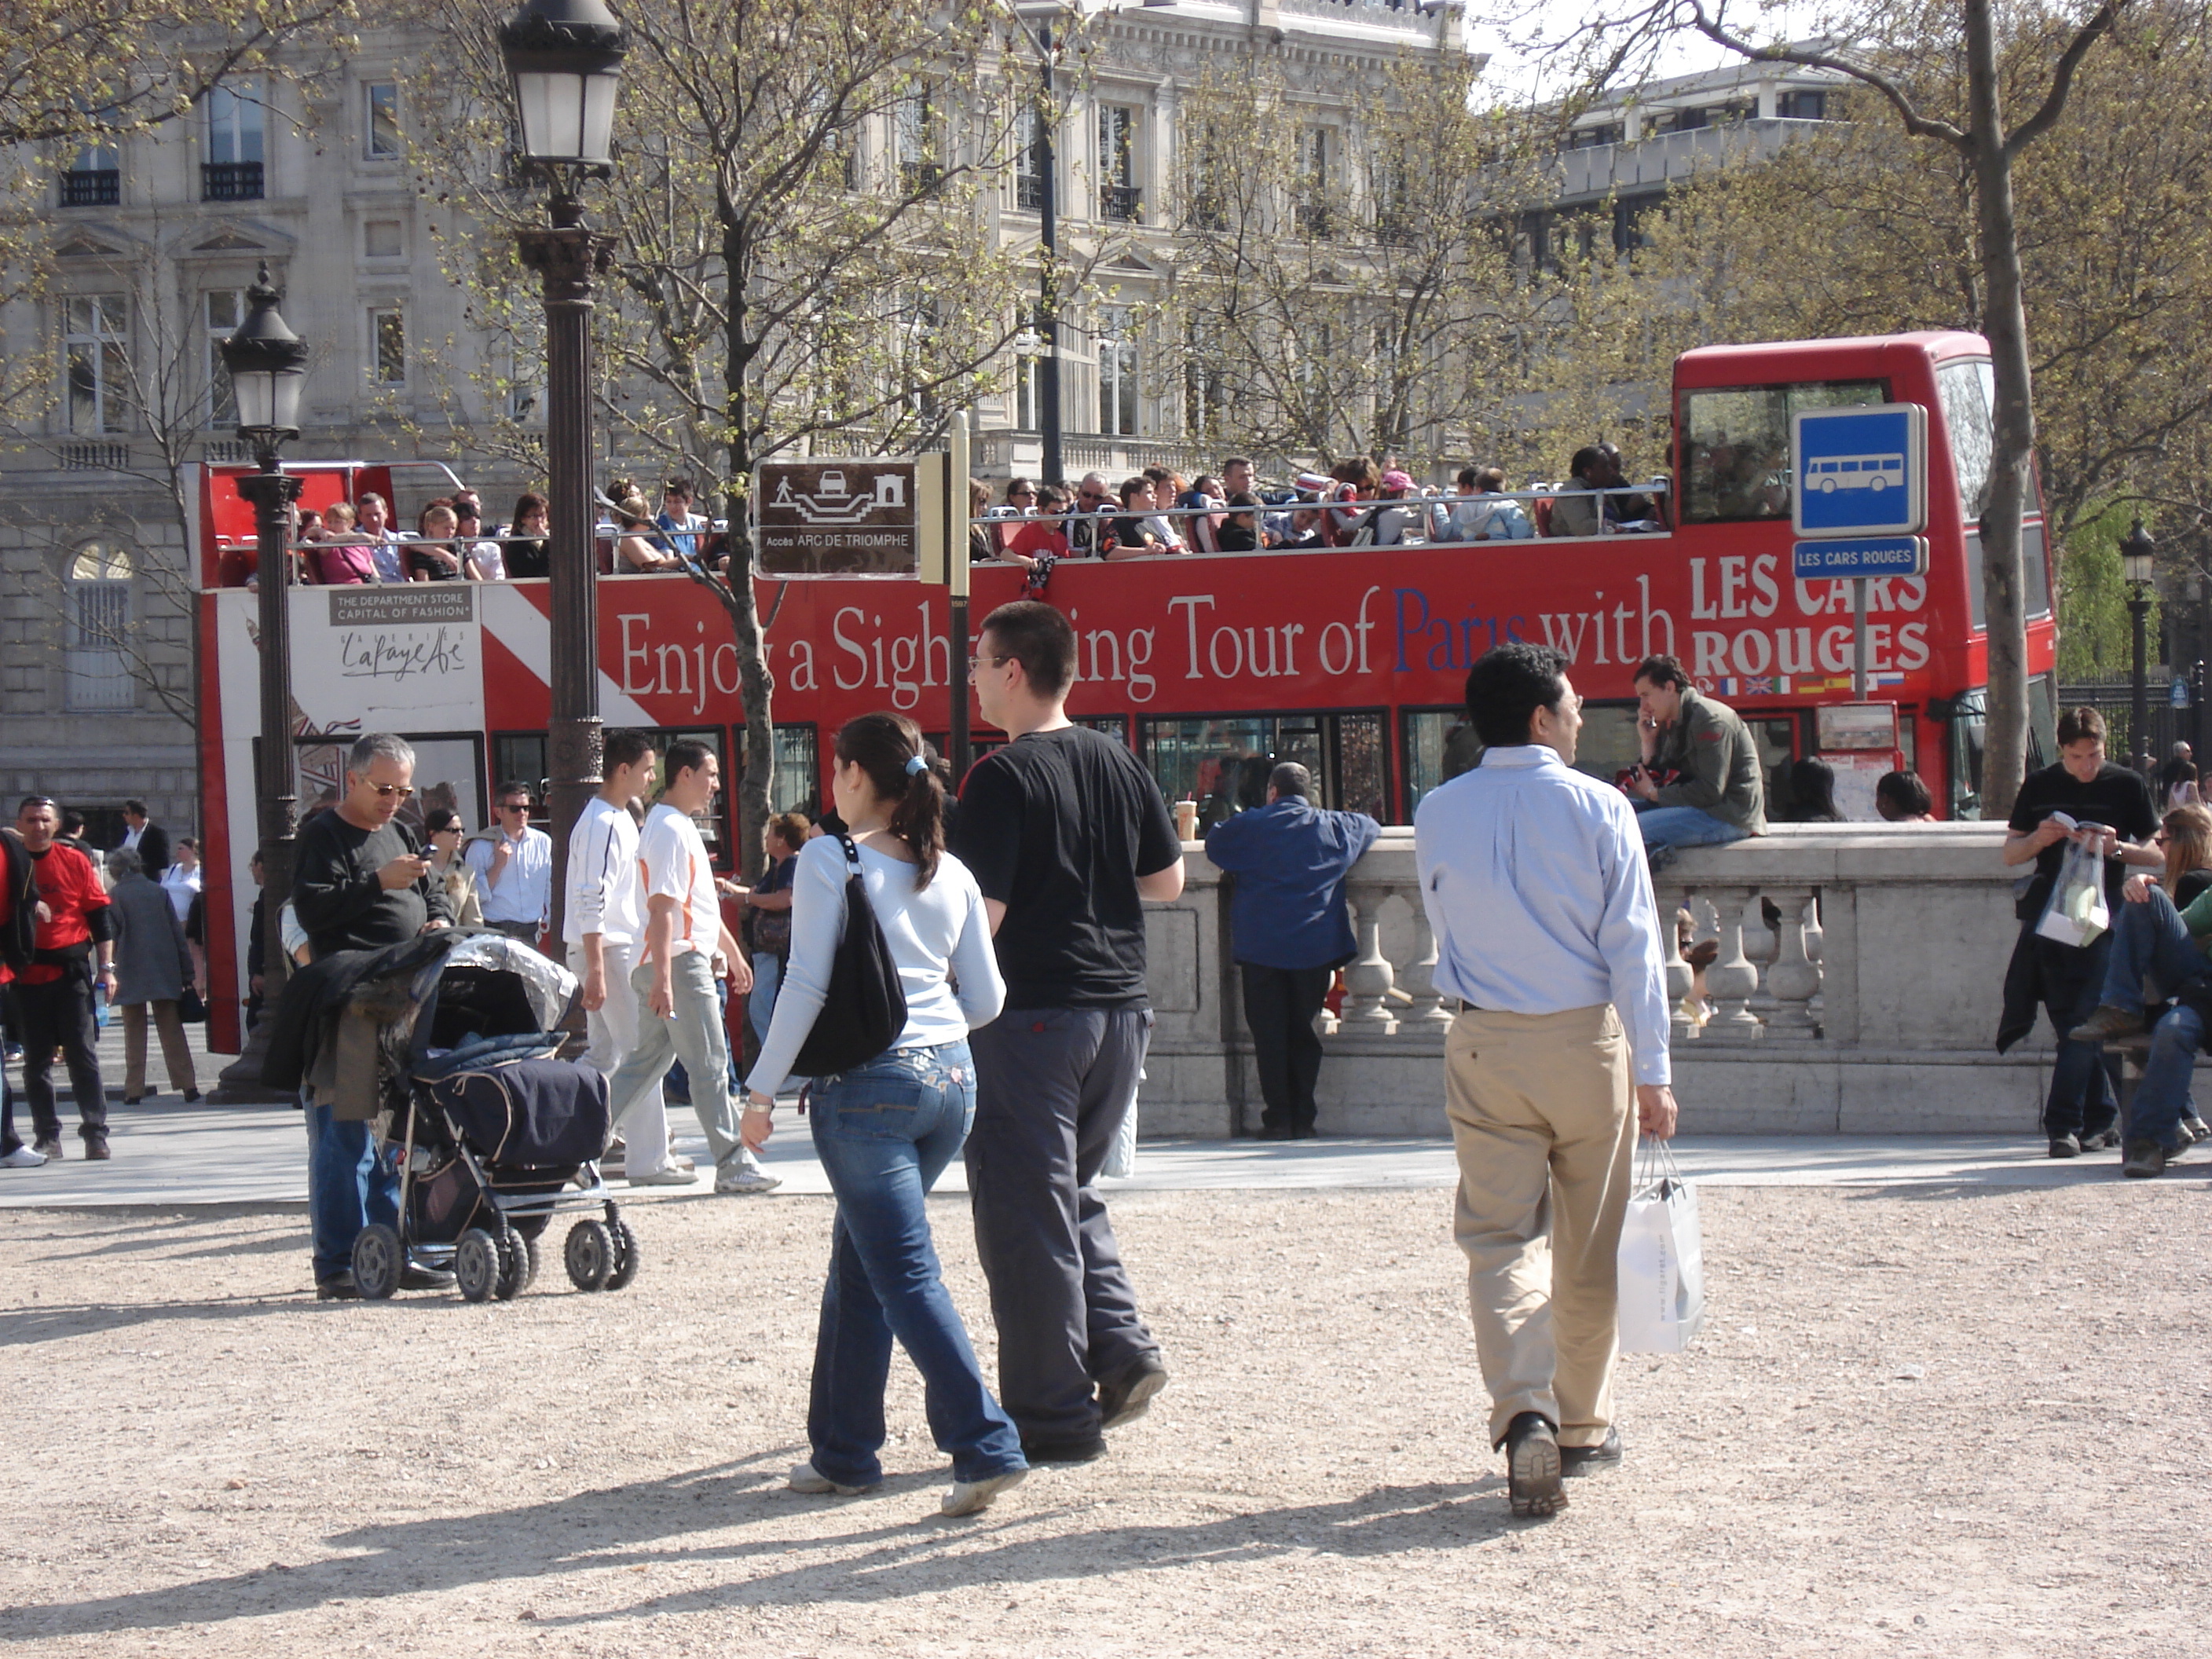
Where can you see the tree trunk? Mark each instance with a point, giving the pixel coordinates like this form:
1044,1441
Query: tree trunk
755,686
2004,758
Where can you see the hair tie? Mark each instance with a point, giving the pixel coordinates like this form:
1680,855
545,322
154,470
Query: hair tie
915,766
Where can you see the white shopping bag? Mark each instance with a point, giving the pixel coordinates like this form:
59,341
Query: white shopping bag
1662,1272
2076,913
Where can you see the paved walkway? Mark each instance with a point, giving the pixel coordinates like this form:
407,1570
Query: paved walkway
168,1154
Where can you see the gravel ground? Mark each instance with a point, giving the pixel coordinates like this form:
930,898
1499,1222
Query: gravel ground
1947,1422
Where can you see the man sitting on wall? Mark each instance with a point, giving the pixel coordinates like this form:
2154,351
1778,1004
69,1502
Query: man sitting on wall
1720,794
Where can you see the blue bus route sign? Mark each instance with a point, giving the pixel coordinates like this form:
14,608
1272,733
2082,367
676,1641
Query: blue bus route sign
1859,472
1866,555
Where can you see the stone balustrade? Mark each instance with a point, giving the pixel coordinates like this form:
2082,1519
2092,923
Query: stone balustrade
1856,989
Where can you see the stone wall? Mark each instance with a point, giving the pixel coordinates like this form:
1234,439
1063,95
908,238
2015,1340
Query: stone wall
1872,1008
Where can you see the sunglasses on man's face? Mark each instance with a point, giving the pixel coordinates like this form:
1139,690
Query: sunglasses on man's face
514,806
405,792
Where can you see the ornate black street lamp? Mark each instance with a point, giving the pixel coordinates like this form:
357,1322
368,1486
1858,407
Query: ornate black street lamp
564,57
2139,565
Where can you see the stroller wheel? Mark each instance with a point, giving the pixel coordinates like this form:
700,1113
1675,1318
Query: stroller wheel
590,1254
515,1267
376,1259
625,1256
476,1264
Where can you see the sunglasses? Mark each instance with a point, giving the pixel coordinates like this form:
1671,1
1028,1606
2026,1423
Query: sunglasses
405,792
514,806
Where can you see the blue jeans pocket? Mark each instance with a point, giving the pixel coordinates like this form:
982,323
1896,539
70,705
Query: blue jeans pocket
874,1108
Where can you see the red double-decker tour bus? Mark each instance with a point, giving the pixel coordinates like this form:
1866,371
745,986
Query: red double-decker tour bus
1210,666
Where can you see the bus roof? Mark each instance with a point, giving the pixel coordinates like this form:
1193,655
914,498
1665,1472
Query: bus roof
1777,362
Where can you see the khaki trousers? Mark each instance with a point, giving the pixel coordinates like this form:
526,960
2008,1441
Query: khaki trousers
1544,1136
176,1053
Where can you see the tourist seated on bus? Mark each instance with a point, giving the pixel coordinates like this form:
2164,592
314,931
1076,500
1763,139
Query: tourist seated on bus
1349,484
638,547
339,559
982,539
1241,530
1040,537
435,556
1202,530
1129,536
1577,511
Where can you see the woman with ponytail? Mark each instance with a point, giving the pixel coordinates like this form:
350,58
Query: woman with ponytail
886,1129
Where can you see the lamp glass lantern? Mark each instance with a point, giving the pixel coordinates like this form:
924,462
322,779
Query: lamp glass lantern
267,364
2138,562
564,57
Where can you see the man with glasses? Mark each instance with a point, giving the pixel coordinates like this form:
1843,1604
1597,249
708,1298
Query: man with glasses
360,884
1086,520
514,868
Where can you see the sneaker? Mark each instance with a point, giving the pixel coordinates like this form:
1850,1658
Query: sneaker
50,1149
2144,1159
1129,1396
338,1287
676,1160
969,1497
2103,1141
1532,1467
670,1176
2195,1128
95,1149
1088,1450
736,1178
807,1479
22,1158
2065,1146
2105,1021
192,1097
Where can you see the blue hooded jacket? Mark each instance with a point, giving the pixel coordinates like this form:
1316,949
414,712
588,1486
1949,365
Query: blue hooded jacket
1290,860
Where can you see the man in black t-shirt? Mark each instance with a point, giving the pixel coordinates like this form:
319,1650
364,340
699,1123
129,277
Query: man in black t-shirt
2113,807
1066,836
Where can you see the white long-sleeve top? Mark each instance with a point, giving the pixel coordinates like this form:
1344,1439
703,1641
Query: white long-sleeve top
1536,885
603,893
936,935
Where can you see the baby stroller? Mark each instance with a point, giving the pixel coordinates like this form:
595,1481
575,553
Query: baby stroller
492,1136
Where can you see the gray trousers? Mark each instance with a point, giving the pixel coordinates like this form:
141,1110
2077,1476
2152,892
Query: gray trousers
694,1033
1052,1085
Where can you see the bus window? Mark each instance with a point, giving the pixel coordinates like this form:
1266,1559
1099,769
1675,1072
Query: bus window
1967,391
1439,744
2035,571
1223,763
796,785
2042,722
519,758
1776,740
1969,728
448,772
1736,444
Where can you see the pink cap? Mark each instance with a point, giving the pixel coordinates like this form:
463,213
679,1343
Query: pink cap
1395,479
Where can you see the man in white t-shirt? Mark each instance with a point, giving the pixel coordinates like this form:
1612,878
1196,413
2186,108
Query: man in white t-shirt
679,1014
604,927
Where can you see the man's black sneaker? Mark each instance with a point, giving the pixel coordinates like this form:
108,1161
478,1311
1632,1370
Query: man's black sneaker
1065,1451
2065,1146
338,1287
1277,1132
1532,1466
1588,1459
1129,1395
95,1149
2143,1160
2103,1141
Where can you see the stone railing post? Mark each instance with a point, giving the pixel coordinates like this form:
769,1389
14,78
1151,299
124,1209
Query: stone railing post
1420,975
1681,978
1793,980
1731,981
1367,979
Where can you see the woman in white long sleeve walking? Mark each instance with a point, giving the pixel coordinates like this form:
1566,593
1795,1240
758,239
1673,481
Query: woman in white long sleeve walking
886,1129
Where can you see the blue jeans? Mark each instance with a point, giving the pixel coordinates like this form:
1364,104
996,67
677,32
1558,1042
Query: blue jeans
348,1187
1683,826
2149,940
2162,1097
759,1006
885,1132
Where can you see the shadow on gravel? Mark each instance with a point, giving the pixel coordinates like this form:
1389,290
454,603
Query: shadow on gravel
650,1523
43,1322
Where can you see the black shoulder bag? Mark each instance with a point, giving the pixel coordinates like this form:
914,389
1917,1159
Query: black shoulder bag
864,1008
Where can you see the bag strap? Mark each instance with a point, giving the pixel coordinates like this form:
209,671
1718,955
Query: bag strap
1655,1164
852,855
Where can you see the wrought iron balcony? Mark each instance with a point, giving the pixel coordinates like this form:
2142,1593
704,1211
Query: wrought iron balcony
1123,201
230,181
1029,192
92,187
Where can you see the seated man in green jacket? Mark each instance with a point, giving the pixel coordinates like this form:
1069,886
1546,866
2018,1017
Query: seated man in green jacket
1720,791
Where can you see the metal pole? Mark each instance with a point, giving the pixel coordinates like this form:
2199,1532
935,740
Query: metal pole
1054,468
2139,712
271,492
956,556
566,257
1858,639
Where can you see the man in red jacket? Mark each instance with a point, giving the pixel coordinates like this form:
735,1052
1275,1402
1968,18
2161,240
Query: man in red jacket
54,992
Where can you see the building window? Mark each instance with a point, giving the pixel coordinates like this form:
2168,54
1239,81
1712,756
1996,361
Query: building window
917,147
96,358
94,178
1031,161
387,346
1030,345
1802,106
383,119
1316,171
232,171
1596,137
226,310
1120,196
1204,385
96,667
380,239
1117,374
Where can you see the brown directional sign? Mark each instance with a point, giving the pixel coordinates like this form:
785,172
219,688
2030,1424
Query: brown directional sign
838,518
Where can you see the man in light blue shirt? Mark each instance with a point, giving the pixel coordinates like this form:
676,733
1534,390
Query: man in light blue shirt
1534,878
514,868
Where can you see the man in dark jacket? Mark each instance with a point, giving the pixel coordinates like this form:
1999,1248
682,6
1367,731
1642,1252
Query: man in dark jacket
146,838
1290,932
1719,791
360,882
